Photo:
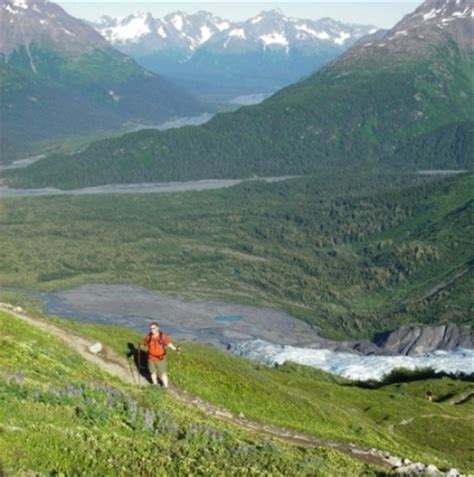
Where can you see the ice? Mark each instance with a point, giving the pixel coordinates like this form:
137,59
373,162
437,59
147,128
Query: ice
355,366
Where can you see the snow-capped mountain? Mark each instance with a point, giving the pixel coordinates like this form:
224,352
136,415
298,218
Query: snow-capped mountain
210,55
24,22
143,34
419,32
58,76
273,30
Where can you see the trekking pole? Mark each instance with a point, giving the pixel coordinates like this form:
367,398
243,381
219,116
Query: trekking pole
139,362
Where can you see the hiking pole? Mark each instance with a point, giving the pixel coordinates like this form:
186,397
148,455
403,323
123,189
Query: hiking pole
139,363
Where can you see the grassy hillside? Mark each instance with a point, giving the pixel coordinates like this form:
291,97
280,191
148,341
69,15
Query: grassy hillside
62,416
350,254
350,113
94,421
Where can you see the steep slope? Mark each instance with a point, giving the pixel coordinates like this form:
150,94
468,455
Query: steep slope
60,71
100,423
448,147
380,95
69,395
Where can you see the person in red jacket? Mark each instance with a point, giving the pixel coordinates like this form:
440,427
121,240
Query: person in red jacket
156,342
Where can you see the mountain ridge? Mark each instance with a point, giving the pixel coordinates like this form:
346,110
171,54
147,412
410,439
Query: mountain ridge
61,72
214,57
356,110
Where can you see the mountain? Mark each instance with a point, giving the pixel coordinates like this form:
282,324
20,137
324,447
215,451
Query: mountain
210,54
59,76
381,94
141,34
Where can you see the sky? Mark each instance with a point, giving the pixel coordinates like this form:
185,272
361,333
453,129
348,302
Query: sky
381,13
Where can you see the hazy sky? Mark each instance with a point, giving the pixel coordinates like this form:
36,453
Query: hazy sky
381,13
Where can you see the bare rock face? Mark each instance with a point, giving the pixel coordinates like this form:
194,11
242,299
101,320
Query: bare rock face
419,32
414,339
26,21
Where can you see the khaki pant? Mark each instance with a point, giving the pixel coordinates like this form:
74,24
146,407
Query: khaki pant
159,367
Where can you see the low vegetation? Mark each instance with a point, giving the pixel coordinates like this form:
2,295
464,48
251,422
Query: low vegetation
86,409
350,254
61,416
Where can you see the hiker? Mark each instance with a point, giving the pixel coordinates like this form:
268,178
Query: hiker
156,343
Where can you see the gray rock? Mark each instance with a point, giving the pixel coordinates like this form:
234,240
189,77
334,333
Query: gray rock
431,470
96,348
414,339
394,461
453,473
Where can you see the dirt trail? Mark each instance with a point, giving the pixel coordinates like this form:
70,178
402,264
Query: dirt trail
113,363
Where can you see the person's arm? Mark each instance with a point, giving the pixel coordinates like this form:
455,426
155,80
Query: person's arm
173,347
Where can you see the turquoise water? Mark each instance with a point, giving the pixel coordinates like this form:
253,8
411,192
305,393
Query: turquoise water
229,318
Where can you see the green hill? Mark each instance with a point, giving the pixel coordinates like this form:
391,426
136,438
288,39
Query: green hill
379,97
63,416
446,147
97,424
59,77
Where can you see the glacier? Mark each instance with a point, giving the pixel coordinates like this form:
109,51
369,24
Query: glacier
354,366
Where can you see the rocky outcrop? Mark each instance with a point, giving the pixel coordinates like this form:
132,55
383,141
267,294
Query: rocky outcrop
414,339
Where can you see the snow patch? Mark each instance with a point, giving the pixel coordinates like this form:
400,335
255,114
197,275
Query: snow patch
10,9
238,33
274,39
306,29
222,25
355,366
340,40
20,4
464,14
431,14
178,22
162,32
323,35
131,31
206,33
256,20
